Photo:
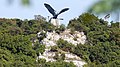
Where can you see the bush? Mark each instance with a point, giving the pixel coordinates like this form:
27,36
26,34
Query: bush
64,45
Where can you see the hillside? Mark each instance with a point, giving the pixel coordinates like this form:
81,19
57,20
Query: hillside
87,41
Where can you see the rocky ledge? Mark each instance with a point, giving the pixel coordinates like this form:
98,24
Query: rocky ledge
51,39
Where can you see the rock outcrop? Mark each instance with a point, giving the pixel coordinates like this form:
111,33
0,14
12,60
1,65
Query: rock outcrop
51,39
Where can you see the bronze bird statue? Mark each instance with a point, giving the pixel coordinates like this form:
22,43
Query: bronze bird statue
53,12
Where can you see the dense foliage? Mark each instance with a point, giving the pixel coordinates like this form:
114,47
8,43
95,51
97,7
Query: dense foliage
103,41
18,49
43,63
26,27
17,43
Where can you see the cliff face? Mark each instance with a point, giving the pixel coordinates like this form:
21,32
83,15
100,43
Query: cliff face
51,39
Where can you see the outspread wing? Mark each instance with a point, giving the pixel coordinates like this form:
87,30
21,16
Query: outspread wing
50,9
63,10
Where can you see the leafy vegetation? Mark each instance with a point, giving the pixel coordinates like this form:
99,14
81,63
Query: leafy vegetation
16,36
64,45
58,64
103,41
23,2
17,46
105,6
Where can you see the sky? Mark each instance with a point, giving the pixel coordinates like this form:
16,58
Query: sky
16,10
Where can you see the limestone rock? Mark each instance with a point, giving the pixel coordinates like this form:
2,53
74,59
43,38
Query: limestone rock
53,37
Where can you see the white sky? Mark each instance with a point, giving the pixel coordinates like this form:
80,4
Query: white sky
16,10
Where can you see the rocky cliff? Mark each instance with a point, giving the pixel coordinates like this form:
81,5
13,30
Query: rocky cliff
52,37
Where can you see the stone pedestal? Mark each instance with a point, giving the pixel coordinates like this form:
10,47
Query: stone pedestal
55,22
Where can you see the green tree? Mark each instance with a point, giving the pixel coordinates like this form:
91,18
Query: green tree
39,48
64,45
106,6
58,64
23,2
102,46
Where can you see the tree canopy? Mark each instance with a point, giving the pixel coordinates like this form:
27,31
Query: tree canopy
102,47
105,6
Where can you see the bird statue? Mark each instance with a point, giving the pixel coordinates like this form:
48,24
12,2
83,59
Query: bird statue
53,12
